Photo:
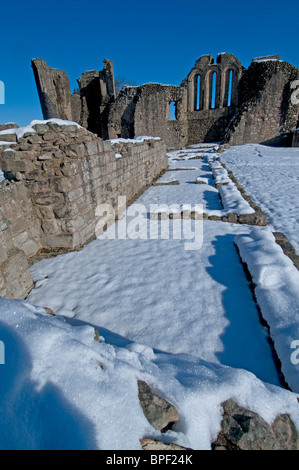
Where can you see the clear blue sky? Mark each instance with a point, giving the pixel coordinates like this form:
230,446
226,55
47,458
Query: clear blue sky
153,41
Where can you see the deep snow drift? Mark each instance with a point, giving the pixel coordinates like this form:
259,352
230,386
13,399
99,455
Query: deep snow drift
61,389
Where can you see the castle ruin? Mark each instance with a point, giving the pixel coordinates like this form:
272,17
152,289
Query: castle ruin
62,172
218,101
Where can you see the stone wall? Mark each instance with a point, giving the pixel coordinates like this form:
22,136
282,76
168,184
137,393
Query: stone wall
19,239
121,114
145,110
152,115
212,96
59,175
266,112
207,125
87,106
200,92
54,91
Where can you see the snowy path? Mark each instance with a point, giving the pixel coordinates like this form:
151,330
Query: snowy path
197,172
157,293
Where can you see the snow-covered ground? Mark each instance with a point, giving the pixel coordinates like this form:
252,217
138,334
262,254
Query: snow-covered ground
61,389
156,293
183,320
270,177
191,167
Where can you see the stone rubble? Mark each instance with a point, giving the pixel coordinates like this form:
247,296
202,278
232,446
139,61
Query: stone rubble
241,429
158,411
153,444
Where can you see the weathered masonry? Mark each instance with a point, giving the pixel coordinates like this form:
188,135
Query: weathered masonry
212,93
56,178
87,107
296,138
218,101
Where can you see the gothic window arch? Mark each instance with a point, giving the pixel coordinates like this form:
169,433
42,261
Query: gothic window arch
212,84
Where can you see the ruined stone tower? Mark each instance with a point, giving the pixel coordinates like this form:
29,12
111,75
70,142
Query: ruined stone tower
87,107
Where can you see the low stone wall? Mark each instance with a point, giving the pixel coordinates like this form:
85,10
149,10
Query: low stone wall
19,239
59,175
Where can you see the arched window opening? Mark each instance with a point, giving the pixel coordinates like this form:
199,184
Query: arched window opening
172,111
198,91
213,91
230,86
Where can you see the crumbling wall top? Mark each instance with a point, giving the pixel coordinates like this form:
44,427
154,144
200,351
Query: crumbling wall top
54,91
266,58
